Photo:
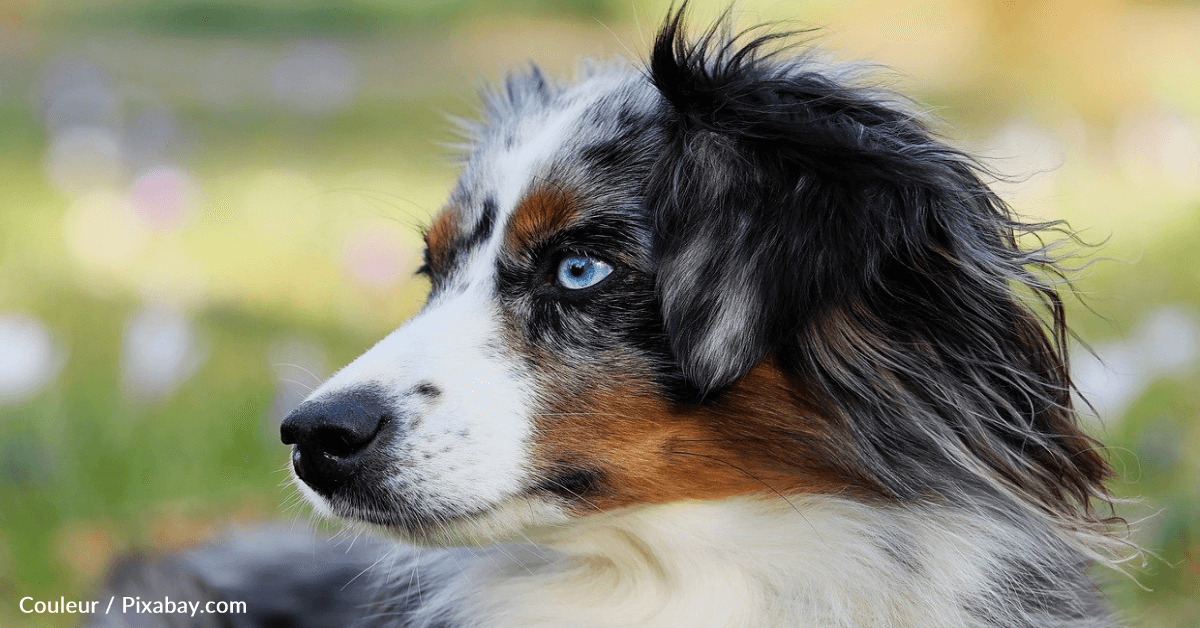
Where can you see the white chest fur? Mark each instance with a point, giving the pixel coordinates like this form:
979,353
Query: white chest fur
816,561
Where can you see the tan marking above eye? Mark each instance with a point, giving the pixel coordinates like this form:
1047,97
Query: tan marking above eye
544,211
440,236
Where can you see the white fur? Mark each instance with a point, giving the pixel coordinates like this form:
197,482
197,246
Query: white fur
513,170
743,562
467,448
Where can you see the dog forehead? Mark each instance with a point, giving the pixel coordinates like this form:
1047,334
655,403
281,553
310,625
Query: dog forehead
545,143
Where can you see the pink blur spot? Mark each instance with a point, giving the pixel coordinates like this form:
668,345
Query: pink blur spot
163,197
372,258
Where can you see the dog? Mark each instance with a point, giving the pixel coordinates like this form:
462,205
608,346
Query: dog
728,339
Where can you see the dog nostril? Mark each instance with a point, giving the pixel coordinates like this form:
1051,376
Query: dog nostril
332,435
341,441
288,432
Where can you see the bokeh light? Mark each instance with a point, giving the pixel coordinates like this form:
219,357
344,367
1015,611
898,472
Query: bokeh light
1159,149
102,232
29,357
374,254
76,93
152,136
84,159
160,349
1165,344
164,197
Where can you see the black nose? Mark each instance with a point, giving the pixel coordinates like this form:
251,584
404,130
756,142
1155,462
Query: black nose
332,436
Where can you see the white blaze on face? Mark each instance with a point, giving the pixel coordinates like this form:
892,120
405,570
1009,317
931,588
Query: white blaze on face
465,448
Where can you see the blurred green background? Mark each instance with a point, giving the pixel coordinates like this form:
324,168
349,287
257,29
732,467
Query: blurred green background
207,206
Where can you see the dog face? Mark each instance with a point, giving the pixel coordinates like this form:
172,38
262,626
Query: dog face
533,280
538,382
729,275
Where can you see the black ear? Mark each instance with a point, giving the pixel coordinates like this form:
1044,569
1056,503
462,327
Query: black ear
779,193
714,253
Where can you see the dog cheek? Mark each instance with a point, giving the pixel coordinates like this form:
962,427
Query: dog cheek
472,446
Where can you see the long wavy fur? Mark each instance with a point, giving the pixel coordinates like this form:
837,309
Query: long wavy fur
884,272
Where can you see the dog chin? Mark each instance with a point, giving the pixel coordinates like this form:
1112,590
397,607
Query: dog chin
511,520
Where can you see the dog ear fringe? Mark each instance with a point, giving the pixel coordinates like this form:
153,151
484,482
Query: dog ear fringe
823,224
773,165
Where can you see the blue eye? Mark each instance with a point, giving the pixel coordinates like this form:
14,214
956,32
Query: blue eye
576,272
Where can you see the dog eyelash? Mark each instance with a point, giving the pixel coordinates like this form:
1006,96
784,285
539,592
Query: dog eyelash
426,268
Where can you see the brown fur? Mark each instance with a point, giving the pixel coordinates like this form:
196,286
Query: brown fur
647,449
440,237
542,213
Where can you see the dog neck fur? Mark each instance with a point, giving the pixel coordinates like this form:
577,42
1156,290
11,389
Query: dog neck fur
806,561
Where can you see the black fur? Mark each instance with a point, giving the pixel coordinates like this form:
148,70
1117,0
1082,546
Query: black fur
878,266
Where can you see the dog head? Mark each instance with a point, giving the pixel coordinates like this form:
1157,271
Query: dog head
731,273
